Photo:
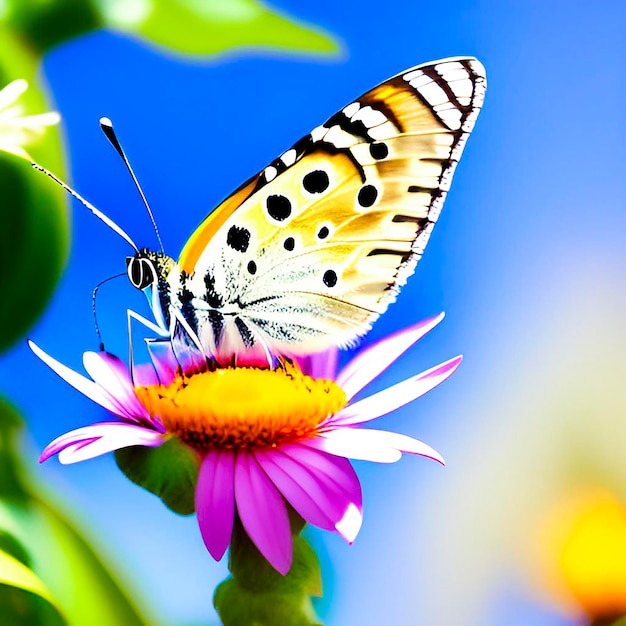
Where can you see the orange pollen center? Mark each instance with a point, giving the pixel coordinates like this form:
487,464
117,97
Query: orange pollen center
243,407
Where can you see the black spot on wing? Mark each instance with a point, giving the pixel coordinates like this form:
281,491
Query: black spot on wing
187,309
211,296
323,232
367,195
278,207
316,181
330,278
379,151
238,238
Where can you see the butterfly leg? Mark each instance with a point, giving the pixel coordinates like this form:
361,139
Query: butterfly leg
133,315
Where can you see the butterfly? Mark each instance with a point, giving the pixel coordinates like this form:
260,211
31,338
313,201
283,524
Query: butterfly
310,251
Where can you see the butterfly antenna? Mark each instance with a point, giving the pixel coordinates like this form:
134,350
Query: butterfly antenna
107,129
93,306
99,214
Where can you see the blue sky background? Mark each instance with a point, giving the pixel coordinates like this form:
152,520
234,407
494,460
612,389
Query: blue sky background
538,198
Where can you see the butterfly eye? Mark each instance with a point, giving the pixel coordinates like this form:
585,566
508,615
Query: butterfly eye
140,272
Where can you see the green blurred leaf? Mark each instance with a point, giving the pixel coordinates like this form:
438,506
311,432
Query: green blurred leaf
34,229
46,23
257,594
24,608
195,27
34,532
203,27
169,471
11,546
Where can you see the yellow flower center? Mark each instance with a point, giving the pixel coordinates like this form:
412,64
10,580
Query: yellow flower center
243,407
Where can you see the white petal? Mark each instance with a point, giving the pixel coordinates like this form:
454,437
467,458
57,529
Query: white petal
113,375
395,396
91,441
372,361
397,441
39,121
87,387
350,524
126,435
12,92
342,443
14,149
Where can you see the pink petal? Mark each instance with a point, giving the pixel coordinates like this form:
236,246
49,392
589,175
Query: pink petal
98,439
338,469
340,442
215,501
301,489
374,360
320,365
263,512
395,396
87,387
113,375
144,375
329,481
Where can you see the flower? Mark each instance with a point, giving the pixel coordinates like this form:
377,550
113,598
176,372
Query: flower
583,554
16,129
264,437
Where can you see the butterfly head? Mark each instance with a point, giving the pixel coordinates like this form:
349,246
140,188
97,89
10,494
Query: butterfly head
148,271
142,269
148,268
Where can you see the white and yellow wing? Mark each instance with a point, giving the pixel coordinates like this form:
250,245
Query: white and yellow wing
308,253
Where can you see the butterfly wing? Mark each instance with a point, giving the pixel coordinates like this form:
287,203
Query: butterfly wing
309,252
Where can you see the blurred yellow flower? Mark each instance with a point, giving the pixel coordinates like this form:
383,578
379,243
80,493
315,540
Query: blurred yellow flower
16,129
583,543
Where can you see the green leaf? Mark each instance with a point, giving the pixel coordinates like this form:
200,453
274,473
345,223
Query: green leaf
19,608
46,23
11,546
35,534
258,595
34,228
207,27
195,27
169,471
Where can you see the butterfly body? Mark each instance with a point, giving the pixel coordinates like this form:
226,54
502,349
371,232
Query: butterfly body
310,251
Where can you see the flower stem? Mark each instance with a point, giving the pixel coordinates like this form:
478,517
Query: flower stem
256,594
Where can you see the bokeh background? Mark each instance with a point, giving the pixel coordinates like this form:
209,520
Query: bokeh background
528,261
